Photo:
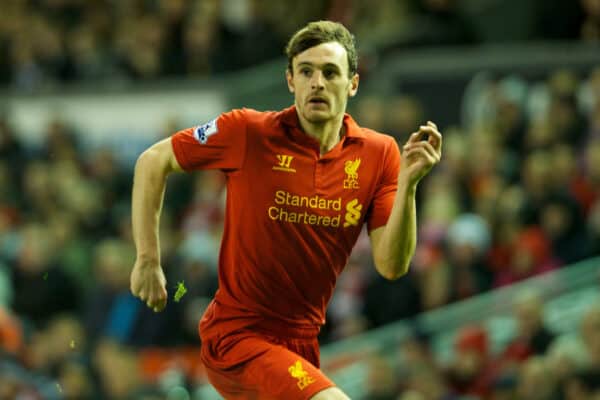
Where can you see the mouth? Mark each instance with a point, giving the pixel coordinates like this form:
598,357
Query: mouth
317,101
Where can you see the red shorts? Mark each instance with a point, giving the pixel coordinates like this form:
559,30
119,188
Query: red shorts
252,364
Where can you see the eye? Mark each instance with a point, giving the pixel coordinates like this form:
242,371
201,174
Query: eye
329,73
305,71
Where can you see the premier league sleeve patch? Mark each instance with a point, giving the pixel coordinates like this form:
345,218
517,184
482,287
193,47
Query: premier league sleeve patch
202,132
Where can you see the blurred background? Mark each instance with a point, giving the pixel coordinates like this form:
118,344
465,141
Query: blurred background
502,299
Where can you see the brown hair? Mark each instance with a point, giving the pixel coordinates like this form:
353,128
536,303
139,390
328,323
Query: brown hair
319,32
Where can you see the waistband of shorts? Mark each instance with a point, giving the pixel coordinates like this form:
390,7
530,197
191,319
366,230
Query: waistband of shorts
285,329
225,318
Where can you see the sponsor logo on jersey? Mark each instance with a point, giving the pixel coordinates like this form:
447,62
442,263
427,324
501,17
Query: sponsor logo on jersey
352,216
284,163
297,371
351,170
314,210
202,132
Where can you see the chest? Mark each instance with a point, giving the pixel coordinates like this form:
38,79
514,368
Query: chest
347,171
293,183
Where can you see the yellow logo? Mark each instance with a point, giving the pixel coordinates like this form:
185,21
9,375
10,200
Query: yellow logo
283,163
297,372
352,213
350,167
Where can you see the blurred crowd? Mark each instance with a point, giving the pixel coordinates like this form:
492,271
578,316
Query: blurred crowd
537,364
517,195
45,43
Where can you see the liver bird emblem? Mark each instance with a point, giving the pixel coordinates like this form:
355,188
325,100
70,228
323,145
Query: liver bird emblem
350,167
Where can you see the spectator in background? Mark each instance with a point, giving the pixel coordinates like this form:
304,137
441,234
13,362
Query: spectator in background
471,371
531,254
203,51
174,13
381,382
117,368
61,142
593,228
346,313
403,116
42,45
582,385
590,334
9,239
532,338
76,381
389,16
14,159
562,222
11,331
468,239
589,97
590,29
440,22
441,206
386,301
574,357
565,356
103,168
112,311
537,180
72,41
509,120
419,373
587,189
371,111
143,60
88,61
41,288
536,381
566,119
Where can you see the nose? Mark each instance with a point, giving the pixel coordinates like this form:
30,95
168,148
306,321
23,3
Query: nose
317,80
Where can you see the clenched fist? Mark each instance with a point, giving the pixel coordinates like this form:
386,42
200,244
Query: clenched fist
148,282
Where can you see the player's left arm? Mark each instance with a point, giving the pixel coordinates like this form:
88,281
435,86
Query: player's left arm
394,243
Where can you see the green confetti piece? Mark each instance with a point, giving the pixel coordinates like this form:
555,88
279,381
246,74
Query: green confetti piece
181,290
72,344
45,276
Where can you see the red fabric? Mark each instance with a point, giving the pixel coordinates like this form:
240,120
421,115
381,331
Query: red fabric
532,243
277,269
585,192
472,338
11,334
253,364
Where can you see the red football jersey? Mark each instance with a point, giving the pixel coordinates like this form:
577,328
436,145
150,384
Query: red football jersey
292,215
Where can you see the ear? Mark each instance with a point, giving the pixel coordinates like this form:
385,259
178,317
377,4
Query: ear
290,80
353,88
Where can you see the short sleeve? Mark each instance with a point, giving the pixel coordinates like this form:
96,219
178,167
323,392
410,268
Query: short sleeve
217,144
385,193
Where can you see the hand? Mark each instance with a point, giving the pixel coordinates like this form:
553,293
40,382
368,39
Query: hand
148,282
419,155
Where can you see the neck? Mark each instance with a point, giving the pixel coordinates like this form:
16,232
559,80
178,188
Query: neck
327,133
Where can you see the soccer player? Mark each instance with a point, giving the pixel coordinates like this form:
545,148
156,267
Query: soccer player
301,182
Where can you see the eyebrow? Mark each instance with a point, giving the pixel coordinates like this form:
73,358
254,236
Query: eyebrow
309,64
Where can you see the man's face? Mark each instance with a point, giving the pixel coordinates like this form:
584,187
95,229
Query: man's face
320,82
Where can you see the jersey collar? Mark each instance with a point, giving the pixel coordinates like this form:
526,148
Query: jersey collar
289,117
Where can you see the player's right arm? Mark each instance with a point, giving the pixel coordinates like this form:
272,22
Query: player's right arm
151,170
